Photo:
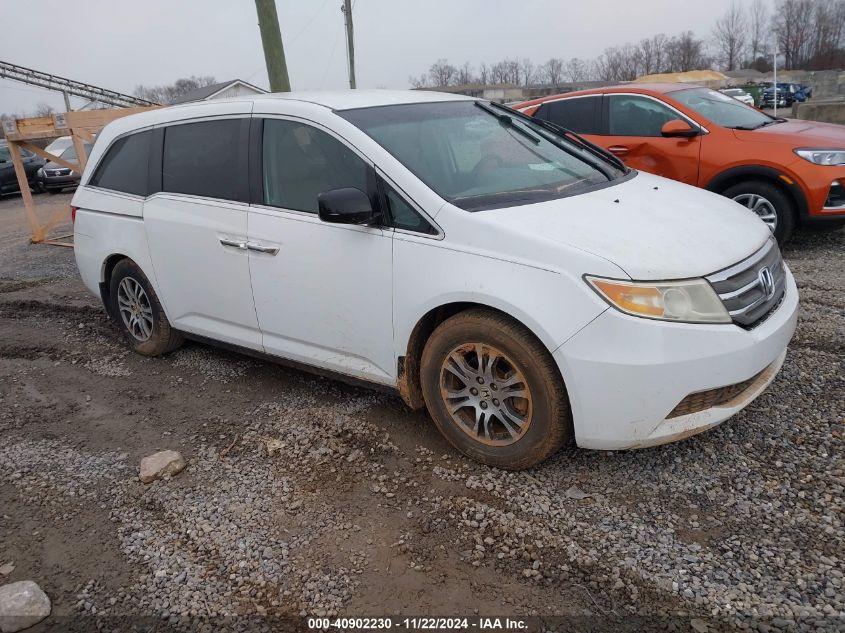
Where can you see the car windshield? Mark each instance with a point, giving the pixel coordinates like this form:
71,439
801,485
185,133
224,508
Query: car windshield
70,152
477,157
722,109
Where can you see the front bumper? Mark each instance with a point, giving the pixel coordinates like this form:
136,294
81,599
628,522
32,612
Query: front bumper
59,182
625,375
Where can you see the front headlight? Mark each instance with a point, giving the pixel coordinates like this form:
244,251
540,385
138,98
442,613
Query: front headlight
40,172
692,301
823,156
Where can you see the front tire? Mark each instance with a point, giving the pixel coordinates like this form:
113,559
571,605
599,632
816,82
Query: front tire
494,391
138,312
769,202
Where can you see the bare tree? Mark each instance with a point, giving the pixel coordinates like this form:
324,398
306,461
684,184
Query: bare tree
758,30
618,63
442,73
792,25
551,71
44,109
169,93
484,74
652,53
528,70
729,35
828,30
499,73
576,70
686,52
418,82
465,74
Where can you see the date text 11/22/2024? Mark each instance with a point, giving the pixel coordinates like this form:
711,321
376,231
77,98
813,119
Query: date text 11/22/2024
418,624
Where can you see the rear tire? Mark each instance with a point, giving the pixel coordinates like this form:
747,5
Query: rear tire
768,201
138,312
514,424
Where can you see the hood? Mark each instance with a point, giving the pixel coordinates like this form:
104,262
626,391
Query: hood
650,227
798,134
52,165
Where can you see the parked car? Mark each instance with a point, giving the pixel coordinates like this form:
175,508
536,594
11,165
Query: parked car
57,146
790,173
55,178
523,286
739,94
8,178
787,94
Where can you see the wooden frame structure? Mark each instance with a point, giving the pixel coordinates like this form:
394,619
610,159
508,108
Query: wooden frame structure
81,127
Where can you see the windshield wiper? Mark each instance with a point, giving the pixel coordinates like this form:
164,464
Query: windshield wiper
571,136
506,119
757,127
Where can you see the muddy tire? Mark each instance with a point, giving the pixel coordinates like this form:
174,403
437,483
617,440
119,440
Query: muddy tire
138,312
494,391
770,202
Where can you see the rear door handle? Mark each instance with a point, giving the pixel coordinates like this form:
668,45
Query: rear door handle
237,244
261,248
618,149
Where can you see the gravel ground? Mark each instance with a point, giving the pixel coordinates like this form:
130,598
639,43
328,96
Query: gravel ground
305,496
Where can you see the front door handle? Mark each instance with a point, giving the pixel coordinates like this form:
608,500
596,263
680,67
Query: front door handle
237,244
618,149
260,248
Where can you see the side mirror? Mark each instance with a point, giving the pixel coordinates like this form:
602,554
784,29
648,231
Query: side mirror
676,128
346,206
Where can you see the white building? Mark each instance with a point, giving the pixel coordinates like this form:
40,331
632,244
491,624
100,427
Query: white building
222,90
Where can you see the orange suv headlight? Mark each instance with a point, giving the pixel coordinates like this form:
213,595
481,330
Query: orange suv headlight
823,156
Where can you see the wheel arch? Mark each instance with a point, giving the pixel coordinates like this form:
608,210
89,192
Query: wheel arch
785,182
106,271
408,370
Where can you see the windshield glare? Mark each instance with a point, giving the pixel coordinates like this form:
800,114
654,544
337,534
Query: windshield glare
720,108
476,160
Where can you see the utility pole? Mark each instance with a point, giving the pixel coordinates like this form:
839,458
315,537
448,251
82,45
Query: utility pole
775,69
350,42
271,40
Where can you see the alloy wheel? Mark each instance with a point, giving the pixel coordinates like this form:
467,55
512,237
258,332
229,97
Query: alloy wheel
485,394
135,309
761,206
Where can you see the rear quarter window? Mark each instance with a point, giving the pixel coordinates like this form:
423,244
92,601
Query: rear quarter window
125,164
203,159
579,114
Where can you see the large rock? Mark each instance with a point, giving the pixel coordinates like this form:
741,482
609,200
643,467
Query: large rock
22,605
161,464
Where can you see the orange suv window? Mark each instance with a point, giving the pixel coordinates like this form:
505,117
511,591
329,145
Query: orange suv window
637,116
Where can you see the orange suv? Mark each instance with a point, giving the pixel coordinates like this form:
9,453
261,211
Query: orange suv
789,172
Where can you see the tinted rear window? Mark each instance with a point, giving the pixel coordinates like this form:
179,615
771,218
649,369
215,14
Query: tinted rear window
124,167
202,159
579,114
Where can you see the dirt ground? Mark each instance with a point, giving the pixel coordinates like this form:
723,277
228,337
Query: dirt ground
304,496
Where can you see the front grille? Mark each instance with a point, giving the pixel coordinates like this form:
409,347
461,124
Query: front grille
704,400
58,172
753,288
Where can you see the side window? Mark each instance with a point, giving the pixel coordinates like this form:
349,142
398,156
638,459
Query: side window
124,167
5,156
579,114
403,215
637,116
202,159
301,162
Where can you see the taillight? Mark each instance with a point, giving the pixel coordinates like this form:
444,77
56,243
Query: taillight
73,214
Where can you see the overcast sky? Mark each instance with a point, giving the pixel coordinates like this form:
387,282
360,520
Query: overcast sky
119,44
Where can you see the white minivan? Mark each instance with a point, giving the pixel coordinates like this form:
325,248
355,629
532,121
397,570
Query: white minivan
525,287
